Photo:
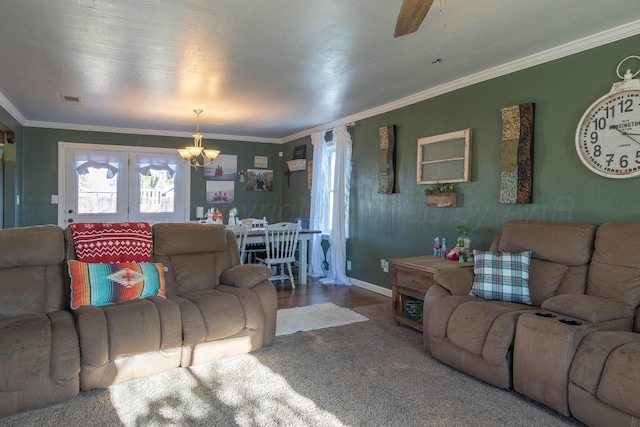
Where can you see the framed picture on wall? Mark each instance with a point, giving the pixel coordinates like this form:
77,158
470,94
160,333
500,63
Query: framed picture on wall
260,161
220,192
259,180
223,168
300,152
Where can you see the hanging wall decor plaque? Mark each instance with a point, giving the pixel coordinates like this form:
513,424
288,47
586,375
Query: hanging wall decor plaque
516,154
386,170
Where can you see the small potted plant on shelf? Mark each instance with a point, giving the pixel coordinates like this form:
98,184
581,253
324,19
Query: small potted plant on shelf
441,195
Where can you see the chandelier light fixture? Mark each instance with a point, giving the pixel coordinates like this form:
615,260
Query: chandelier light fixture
194,153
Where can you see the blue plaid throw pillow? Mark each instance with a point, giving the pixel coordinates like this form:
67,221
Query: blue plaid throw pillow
502,276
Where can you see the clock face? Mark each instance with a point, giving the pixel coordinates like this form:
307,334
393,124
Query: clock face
608,136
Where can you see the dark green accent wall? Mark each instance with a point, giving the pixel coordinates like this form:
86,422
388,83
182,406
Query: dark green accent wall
400,224
40,173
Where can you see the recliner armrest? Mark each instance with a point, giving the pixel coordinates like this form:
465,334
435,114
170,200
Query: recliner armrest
588,308
458,281
453,281
245,275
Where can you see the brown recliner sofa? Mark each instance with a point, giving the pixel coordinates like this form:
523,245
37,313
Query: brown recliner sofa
574,349
604,380
40,357
546,341
126,340
214,307
604,385
226,308
475,335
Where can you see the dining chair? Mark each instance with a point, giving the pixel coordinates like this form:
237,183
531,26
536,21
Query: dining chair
255,222
253,248
241,232
281,242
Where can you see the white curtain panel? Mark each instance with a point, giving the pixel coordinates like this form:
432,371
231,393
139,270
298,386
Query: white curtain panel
337,253
318,206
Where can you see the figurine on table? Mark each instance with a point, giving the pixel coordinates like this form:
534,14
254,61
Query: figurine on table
454,253
218,218
437,247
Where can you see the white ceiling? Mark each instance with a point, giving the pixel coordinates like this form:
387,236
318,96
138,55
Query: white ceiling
267,69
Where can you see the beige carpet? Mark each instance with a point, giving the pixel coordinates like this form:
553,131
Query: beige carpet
369,373
312,317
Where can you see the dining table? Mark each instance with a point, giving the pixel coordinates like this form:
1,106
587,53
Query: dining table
256,235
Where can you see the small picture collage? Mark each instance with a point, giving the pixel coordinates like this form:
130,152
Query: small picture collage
221,176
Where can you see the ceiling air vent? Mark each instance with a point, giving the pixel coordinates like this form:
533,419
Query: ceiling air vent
71,99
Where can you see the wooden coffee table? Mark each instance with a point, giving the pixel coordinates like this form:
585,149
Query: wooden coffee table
412,277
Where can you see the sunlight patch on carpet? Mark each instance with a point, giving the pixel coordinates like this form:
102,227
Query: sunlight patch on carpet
186,396
320,316
261,397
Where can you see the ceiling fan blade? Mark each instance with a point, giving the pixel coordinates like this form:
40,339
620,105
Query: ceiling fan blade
411,15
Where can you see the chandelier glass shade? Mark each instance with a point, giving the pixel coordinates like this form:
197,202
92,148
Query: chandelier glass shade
196,154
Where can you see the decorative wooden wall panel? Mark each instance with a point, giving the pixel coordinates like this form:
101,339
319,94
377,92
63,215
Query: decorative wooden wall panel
516,154
386,170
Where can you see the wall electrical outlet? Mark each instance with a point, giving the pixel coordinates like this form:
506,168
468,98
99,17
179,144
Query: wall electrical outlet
348,265
384,265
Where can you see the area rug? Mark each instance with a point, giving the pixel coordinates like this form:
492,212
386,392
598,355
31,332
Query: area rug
312,317
372,374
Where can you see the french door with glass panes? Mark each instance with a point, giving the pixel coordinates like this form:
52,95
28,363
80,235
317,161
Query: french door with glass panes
105,183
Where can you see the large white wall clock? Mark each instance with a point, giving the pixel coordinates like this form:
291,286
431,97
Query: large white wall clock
608,134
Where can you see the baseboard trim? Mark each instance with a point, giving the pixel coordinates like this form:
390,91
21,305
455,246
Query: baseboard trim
371,287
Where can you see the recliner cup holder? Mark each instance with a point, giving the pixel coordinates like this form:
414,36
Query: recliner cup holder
570,322
544,314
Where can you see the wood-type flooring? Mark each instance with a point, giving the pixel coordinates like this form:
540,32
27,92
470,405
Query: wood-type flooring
315,292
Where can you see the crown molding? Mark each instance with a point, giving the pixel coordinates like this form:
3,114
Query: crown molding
133,131
567,49
13,111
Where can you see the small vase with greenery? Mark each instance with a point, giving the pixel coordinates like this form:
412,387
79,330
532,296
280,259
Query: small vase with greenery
464,242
